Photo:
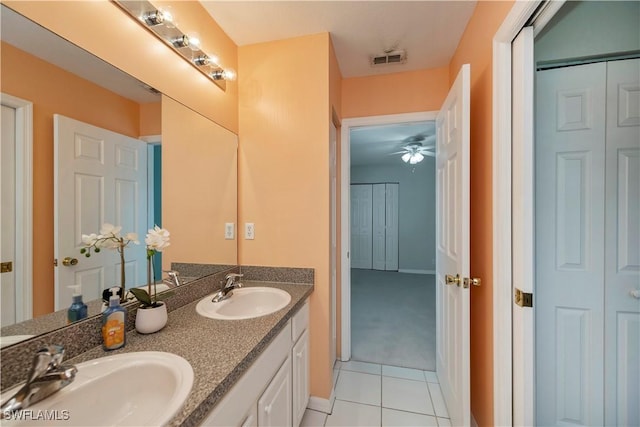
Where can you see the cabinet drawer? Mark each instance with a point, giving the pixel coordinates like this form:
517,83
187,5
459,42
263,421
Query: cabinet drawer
300,322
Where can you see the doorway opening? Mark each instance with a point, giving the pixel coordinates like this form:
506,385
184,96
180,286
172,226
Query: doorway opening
388,284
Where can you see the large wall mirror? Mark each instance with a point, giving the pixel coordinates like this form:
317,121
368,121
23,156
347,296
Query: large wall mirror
188,173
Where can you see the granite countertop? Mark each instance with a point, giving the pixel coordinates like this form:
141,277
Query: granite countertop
219,351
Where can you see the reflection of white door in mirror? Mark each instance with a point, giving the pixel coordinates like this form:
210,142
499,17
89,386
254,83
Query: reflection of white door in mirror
7,214
15,215
100,176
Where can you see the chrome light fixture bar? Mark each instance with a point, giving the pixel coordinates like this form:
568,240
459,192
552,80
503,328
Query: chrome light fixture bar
161,23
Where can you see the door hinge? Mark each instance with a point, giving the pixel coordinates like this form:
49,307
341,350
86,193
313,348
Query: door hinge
523,299
6,267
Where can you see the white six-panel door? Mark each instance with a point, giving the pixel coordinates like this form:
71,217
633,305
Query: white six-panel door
622,243
100,176
379,227
361,226
391,227
452,249
587,245
570,245
7,214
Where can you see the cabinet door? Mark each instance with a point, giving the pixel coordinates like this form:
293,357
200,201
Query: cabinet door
274,406
300,356
251,418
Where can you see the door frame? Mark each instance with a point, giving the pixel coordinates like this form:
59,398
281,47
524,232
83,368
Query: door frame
345,211
521,13
24,204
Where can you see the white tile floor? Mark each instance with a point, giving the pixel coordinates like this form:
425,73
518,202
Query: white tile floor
368,394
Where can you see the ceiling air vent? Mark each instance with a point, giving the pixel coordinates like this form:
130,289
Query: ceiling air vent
392,57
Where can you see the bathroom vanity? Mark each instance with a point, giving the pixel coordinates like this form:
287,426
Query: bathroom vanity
252,372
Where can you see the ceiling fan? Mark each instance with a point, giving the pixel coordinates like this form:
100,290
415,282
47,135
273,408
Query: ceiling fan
416,147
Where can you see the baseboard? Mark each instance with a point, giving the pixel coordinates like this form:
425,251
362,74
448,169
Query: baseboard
321,404
410,271
474,423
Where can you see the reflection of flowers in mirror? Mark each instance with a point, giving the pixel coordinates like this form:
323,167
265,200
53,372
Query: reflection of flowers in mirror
110,238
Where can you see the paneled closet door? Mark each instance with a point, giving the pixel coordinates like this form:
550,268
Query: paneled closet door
391,227
622,267
587,300
379,226
570,160
361,226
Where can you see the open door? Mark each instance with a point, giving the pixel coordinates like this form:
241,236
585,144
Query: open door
100,176
452,249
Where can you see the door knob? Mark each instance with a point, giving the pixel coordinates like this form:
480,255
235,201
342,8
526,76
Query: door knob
635,293
67,261
452,280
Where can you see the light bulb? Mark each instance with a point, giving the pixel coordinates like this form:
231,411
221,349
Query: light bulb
155,17
181,41
194,42
201,60
413,160
419,157
220,74
406,157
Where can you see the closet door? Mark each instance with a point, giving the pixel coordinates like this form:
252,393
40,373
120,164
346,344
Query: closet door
379,226
570,147
391,227
361,226
622,262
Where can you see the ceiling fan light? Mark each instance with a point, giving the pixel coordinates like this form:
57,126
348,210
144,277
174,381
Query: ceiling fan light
419,157
406,157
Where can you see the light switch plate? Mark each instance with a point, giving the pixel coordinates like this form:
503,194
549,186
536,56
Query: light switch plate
249,231
229,231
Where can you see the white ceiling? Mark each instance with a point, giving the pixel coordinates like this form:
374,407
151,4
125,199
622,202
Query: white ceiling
428,30
379,145
42,43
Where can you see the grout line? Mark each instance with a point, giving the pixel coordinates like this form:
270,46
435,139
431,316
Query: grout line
359,403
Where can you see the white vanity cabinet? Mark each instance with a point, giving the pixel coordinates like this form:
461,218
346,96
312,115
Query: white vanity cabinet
274,407
274,391
300,364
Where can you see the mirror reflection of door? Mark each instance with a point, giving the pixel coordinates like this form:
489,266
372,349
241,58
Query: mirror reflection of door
100,176
7,214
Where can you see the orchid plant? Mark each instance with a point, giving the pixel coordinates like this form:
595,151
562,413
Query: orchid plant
157,240
110,238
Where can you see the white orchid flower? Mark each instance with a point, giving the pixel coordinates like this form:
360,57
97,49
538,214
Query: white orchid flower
157,239
132,237
89,239
109,230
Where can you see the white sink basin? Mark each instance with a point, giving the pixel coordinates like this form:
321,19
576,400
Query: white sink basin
130,389
245,303
13,339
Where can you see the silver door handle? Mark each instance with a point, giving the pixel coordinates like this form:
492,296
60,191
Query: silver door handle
635,293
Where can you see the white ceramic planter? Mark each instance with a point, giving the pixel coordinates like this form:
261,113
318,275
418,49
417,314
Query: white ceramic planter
150,320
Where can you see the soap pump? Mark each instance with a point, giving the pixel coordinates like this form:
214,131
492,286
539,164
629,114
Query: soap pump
114,323
78,309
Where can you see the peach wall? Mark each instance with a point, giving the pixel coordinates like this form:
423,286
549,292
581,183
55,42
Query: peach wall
59,93
199,182
150,119
284,115
407,92
121,41
475,48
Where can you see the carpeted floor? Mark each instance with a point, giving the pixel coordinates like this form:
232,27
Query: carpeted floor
393,318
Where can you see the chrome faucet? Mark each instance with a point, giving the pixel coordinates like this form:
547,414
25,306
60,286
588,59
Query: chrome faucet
173,280
46,377
227,289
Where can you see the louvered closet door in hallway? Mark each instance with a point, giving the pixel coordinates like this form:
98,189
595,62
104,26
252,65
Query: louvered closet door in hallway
374,226
587,245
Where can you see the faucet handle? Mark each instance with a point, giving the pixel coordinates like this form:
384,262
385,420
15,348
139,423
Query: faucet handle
233,275
46,358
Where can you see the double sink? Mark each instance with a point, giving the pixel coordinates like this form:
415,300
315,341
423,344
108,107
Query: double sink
139,388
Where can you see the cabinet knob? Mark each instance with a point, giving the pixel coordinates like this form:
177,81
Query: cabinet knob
299,354
267,409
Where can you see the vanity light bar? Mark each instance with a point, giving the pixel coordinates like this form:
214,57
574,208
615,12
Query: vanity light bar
161,23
